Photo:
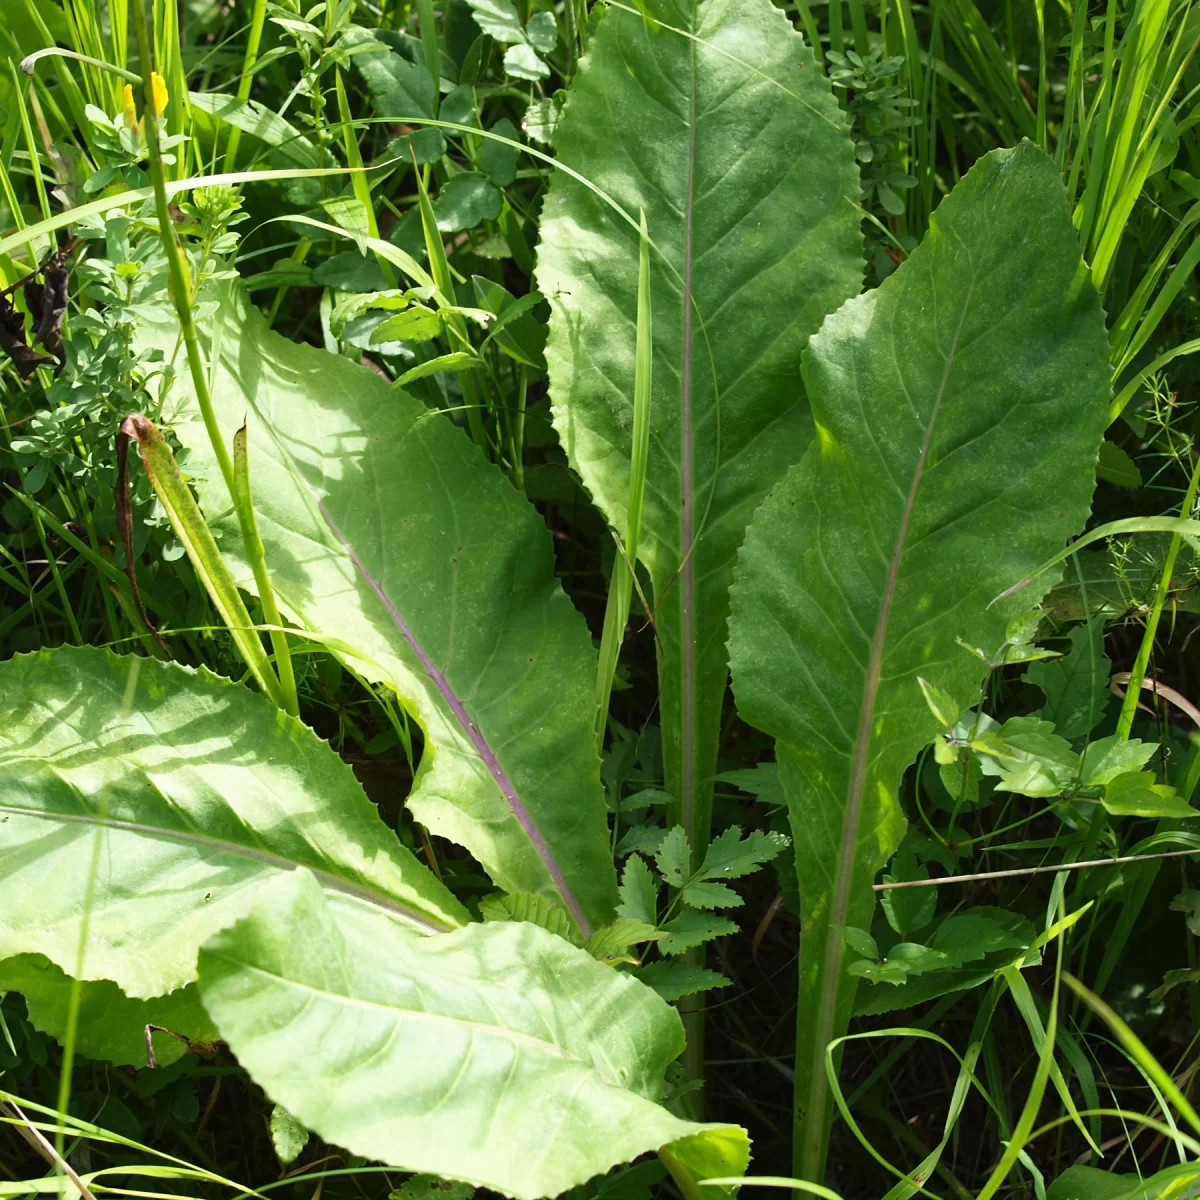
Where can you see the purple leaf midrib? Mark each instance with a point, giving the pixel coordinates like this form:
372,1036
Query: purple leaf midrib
839,902
687,571
470,729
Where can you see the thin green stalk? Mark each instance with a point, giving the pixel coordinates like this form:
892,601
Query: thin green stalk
439,268
182,298
56,575
429,43
1138,671
258,16
620,591
75,994
359,181
257,555
35,163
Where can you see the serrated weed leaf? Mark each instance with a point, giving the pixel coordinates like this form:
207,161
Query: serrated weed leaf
959,409
731,855
690,929
639,891
711,895
541,911
673,979
674,858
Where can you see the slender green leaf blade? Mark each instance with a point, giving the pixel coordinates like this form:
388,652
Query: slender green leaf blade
200,791
713,118
548,1067
386,528
959,409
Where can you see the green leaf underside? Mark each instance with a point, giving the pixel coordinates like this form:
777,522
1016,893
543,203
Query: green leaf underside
731,143
452,600
111,1026
206,791
959,409
548,1062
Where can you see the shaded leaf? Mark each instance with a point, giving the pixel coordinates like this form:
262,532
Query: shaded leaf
711,895
465,201
112,1027
674,857
496,160
691,928
1115,466
639,891
675,979
1188,901
541,911
730,855
1076,685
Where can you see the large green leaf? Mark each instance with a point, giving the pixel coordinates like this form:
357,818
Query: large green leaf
386,528
498,1054
959,410
187,792
715,120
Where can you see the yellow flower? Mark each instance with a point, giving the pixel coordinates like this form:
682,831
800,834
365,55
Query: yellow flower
158,86
128,107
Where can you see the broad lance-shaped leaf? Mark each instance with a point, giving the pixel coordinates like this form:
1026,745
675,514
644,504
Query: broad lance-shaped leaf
959,409
498,1054
386,528
713,117
199,790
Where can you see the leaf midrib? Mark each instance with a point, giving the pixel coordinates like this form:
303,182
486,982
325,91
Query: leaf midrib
687,572
471,730
421,920
831,974
549,1048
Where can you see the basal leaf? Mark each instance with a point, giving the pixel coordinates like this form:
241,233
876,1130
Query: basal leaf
200,792
386,529
548,1064
959,408
713,118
